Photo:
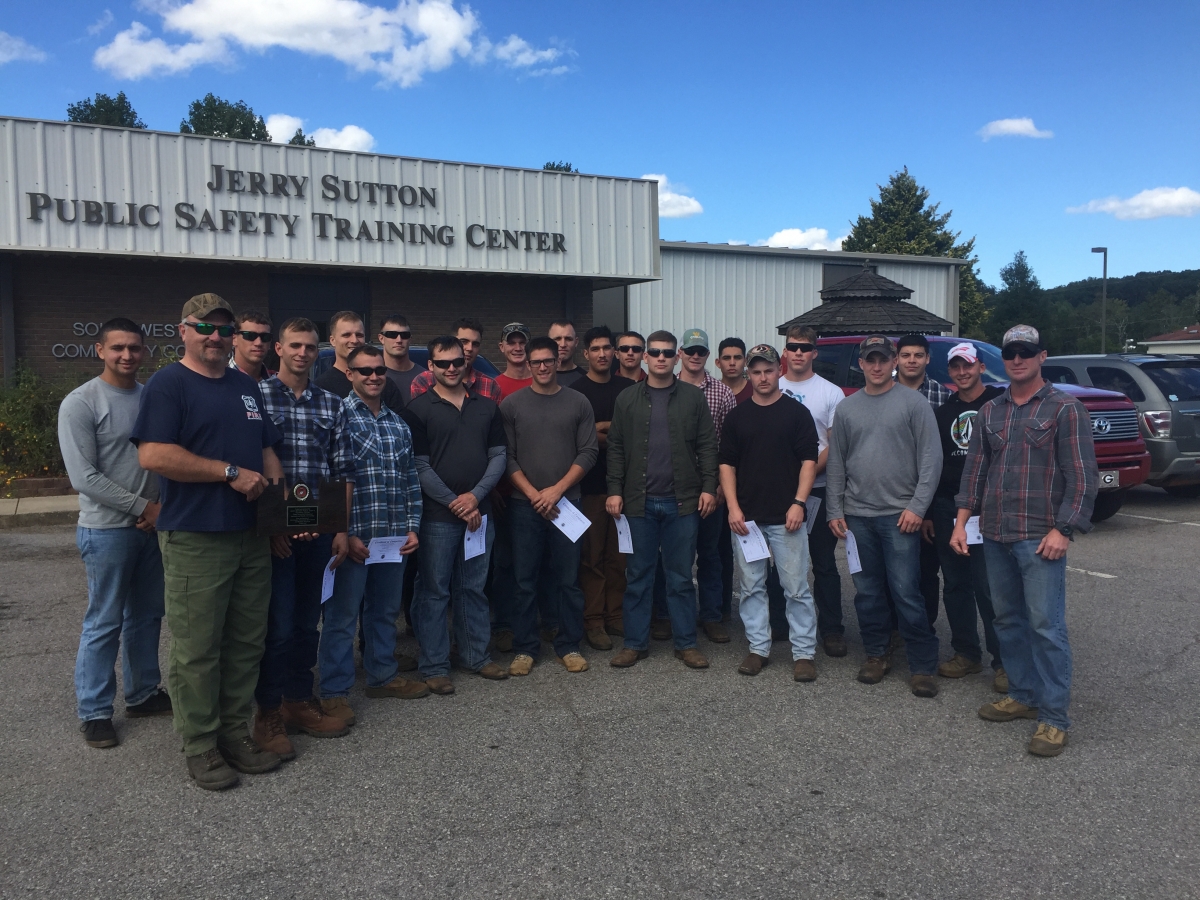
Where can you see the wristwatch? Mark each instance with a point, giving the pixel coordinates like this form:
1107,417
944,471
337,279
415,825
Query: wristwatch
1066,530
803,504
231,472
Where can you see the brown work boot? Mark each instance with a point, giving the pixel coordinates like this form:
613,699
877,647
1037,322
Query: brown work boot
1000,681
923,685
599,639
692,658
804,670
400,688
307,716
752,664
339,708
440,684
874,669
660,629
715,632
271,735
834,645
628,657
502,641
1006,710
522,664
958,666
574,662
493,672
404,662
1047,741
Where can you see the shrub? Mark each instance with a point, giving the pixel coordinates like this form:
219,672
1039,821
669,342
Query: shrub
29,426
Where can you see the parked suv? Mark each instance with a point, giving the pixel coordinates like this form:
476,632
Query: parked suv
1166,392
1120,451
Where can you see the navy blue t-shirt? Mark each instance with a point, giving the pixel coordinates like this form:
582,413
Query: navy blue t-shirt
217,418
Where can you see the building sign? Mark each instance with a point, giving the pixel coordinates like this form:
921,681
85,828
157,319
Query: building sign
157,338
84,188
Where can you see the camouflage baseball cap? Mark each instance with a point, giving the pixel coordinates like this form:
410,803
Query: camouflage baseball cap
876,343
694,338
765,352
1022,334
515,328
203,305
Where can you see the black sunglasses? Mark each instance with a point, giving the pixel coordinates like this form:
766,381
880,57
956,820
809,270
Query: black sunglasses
800,348
207,328
1012,351
392,335
661,351
368,371
456,363
695,351
252,336
631,348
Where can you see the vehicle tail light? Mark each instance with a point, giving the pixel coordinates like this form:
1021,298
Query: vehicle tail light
1158,423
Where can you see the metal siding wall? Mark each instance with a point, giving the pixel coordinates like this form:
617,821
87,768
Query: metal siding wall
610,224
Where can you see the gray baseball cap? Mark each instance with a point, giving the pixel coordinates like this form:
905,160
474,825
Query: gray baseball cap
1022,334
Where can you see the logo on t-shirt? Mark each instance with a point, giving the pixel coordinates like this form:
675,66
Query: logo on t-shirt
251,407
960,428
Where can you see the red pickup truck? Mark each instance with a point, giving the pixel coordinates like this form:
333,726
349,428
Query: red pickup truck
1121,453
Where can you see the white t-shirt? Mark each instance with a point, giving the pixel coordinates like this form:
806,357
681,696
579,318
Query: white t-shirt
821,397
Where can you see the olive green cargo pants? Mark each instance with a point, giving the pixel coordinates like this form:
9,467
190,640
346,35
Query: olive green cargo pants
217,593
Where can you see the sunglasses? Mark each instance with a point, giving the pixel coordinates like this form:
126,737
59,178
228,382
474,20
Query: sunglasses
656,352
443,364
368,371
631,348
252,336
393,335
799,348
207,328
543,363
695,351
1012,352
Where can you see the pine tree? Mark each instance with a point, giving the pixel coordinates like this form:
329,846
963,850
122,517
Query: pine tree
300,139
220,118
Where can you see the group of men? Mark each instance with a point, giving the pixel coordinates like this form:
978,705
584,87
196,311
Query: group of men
492,514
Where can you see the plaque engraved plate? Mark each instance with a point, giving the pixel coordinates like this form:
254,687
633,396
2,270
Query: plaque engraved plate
296,510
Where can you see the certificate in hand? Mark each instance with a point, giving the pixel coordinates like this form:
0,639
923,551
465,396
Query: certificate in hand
570,521
385,550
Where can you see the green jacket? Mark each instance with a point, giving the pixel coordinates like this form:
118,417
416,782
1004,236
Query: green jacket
693,447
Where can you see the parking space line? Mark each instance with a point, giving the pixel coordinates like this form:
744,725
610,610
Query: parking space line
1149,518
1086,572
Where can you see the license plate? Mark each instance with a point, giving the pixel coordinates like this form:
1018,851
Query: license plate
1110,479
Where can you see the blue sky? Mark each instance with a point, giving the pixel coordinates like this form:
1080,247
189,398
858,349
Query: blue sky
769,120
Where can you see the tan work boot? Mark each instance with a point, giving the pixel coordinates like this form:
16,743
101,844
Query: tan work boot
522,664
271,735
440,684
574,662
599,639
1000,681
339,708
1006,710
400,688
958,666
692,658
874,669
627,658
1047,740
307,716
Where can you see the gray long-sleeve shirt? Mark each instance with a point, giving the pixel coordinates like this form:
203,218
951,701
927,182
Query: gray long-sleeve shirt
94,423
884,455
547,434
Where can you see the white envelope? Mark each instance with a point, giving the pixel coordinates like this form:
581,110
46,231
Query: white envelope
852,560
624,535
475,542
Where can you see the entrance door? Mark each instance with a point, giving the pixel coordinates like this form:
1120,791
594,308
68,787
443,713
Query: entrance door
318,297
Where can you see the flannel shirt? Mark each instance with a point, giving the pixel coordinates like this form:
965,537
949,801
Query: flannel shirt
1030,468
478,385
316,443
387,492
933,391
721,401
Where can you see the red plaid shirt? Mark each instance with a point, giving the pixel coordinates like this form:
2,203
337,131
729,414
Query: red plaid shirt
721,401
478,385
1030,467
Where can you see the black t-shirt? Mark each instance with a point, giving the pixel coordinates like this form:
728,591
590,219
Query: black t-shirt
660,470
336,382
603,398
456,442
217,418
568,378
767,445
403,381
955,420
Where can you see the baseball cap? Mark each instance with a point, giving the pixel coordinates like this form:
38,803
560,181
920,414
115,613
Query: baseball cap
1022,334
765,352
515,328
876,343
203,305
966,350
694,338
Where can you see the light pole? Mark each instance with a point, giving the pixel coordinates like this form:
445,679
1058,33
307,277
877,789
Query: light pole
1103,299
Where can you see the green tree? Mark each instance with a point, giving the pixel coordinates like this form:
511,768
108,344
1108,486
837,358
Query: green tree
903,221
220,118
300,139
559,167
105,110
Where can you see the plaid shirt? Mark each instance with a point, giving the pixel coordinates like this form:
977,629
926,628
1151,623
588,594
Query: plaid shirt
316,443
933,391
387,493
478,385
721,401
1030,468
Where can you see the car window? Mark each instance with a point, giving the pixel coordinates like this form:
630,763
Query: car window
855,379
1177,380
830,363
1110,378
1060,375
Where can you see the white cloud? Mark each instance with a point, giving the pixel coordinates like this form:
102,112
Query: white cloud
400,44
100,24
803,239
1151,204
281,127
349,138
1012,128
672,203
13,48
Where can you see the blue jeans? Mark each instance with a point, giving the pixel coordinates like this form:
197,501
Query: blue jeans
532,537
503,584
790,550
966,595
447,578
379,590
710,570
661,528
892,558
1030,598
292,637
125,606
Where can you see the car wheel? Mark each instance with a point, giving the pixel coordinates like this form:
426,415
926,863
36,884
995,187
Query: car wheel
1187,491
1108,505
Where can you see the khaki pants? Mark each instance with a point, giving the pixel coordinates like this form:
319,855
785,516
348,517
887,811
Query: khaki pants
217,593
601,567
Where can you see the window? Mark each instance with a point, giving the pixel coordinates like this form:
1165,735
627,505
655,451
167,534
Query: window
856,379
830,363
1177,381
1059,375
1110,378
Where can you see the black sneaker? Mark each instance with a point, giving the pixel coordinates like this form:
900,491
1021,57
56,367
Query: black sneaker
99,733
246,756
157,704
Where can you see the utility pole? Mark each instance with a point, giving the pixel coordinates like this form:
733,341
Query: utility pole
1103,300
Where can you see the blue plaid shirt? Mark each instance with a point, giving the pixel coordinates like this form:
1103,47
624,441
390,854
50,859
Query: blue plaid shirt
316,442
933,391
387,493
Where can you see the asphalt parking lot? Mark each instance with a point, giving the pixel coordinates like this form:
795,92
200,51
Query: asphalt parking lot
656,780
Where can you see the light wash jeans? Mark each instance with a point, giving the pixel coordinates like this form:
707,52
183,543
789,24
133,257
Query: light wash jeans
791,562
125,607
447,579
379,590
1029,595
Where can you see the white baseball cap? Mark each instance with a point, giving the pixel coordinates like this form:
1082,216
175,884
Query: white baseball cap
966,350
